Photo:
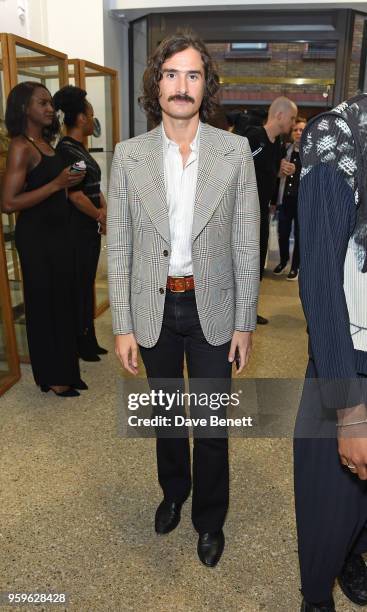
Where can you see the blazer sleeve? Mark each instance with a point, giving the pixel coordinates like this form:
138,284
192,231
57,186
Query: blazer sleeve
119,246
327,215
245,244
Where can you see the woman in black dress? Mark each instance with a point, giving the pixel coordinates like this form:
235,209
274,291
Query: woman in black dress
88,214
35,184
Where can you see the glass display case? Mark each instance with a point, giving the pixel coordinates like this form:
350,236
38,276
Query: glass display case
9,362
24,60
101,84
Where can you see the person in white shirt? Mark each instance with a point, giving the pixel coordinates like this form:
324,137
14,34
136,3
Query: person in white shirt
183,243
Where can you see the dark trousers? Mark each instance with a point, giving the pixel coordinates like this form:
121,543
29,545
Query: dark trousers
47,270
87,250
181,336
288,214
264,235
331,511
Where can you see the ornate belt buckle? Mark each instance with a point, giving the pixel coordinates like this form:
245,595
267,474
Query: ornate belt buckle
181,282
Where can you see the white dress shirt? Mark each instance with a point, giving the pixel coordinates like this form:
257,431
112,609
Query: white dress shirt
180,183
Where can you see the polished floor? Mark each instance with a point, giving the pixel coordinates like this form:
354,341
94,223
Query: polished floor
78,501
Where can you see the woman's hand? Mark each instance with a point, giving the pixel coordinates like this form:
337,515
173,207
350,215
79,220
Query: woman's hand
68,179
102,216
286,168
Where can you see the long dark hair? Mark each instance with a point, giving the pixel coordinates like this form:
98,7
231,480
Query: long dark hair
16,107
171,45
72,101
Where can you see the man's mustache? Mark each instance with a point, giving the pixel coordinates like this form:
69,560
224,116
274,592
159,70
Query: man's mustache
183,97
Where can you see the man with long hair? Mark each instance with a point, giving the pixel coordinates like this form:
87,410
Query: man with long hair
183,240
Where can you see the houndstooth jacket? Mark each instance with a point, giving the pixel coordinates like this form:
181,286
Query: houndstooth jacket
225,236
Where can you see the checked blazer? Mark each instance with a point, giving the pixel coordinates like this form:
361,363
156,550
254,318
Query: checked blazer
225,236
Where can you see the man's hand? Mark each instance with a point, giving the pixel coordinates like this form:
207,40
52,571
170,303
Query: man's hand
352,440
241,347
126,349
353,451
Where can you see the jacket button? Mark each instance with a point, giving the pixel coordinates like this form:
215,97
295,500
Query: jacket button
165,253
161,290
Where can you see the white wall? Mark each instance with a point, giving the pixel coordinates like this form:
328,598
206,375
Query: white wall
9,18
81,29
75,27
37,20
116,55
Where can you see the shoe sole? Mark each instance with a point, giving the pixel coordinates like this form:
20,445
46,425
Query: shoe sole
292,280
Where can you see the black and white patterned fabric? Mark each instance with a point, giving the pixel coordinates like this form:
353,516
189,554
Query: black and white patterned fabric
329,140
339,139
225,236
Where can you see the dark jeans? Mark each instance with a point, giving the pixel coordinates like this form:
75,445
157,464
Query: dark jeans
288,214
181,336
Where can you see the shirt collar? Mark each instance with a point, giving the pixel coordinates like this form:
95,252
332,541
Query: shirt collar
167,142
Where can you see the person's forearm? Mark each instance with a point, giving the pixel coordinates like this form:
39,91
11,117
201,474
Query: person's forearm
102,201
28,199
84,204
349,416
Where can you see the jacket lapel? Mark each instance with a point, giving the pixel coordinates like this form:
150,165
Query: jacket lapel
214,175
147,175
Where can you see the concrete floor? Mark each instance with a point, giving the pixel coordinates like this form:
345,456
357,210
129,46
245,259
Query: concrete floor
77,501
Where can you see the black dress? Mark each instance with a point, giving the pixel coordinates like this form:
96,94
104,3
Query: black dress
42,238
87,241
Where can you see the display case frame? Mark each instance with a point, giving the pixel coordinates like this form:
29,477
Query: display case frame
9,378
9,349
13,40
80,75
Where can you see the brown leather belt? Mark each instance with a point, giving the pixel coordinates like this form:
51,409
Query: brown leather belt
180,284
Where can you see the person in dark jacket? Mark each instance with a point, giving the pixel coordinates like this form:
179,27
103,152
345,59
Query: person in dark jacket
330,447
267,155
88,211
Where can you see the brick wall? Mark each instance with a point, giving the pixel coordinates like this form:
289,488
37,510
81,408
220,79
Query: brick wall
356,55
285,60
